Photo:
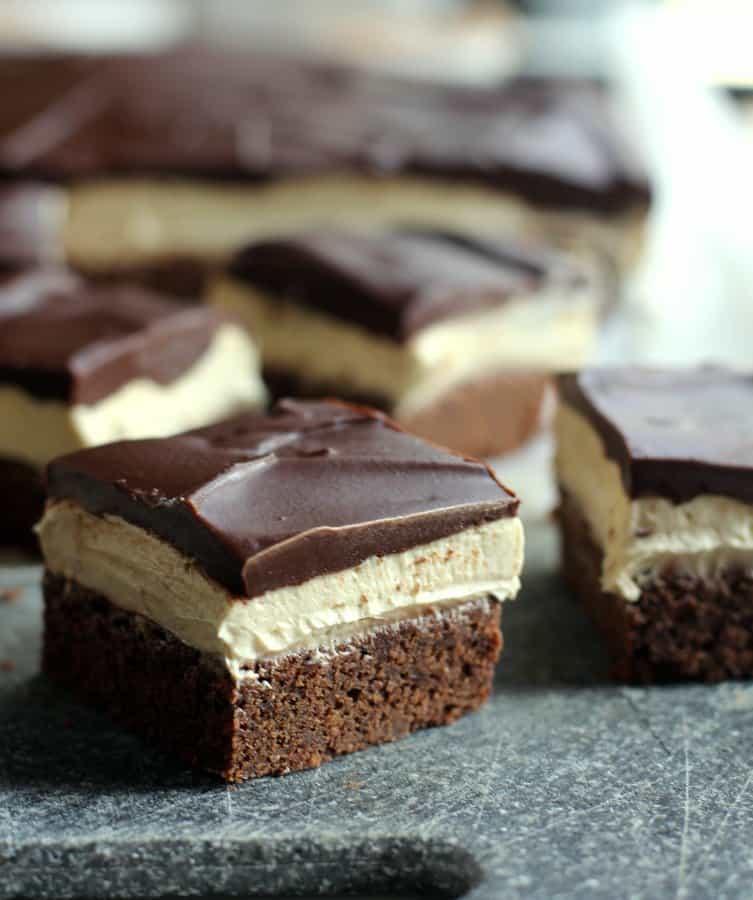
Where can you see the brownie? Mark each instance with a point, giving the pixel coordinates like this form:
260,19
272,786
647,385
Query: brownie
314,581
667,571
452,335
82,363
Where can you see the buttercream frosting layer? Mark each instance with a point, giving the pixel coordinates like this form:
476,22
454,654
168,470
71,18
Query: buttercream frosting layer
551,330
142,573
642,536
136,221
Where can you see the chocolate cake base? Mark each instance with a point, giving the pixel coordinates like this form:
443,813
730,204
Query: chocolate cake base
482,417
23,494
681,627
283,715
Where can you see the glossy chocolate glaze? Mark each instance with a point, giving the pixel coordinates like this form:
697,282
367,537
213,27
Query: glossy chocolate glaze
673,433
64,339
219,114
263,502
397,283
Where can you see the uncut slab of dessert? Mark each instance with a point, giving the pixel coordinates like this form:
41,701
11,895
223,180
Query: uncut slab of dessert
157,166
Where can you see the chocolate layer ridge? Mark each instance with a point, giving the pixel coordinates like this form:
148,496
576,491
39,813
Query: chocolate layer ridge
400,282
259,118
63,338
264,502
676,433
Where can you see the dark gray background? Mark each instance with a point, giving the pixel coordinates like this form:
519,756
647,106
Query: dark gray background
562,786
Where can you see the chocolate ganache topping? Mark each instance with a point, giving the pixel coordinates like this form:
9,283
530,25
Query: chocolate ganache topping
673,433
218,114
399,282
264,502
61,338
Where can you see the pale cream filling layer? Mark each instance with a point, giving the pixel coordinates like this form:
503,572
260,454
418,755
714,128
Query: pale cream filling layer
551,331
223,381
113,223
641,537
144,574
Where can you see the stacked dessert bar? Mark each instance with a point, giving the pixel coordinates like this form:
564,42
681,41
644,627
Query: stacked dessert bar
82,365
156,166
262,595
655,473
455,336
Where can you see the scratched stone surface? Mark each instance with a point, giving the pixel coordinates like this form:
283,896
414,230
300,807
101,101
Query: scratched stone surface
564,785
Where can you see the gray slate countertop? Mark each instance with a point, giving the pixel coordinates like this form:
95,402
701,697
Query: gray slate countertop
562,786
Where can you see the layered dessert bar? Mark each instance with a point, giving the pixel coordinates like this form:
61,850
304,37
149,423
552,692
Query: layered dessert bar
262,595
83,365
167,163
454,336
656,516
